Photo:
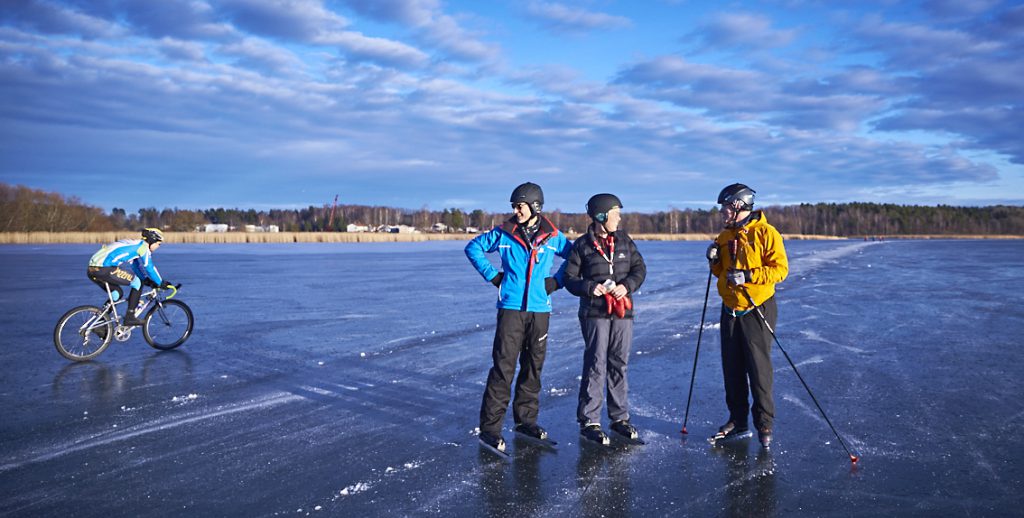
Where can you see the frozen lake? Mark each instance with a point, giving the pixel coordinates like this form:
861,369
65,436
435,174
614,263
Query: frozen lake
346,380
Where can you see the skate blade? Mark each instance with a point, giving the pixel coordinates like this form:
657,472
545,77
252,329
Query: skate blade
504,455
546,443
595,444
634,441
721,439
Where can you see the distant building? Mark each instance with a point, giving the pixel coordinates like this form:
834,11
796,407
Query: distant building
439,227
396,229
214,227
262,228
472,230
353,227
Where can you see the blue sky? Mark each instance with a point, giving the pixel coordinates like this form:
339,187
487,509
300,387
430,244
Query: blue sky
406,103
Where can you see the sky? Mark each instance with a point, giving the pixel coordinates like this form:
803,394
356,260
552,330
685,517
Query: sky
441,103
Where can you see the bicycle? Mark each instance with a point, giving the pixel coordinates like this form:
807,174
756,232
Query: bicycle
86,331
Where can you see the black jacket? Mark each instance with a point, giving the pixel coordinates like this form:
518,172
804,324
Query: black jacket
586,268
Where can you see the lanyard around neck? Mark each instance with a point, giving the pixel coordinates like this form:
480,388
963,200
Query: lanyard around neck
610,257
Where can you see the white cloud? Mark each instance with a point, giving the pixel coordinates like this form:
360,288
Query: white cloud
182,50
562,18
431,26
740,29
299,20
260,55
361,47
54,18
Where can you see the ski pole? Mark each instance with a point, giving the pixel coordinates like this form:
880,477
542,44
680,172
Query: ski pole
853,458
693,374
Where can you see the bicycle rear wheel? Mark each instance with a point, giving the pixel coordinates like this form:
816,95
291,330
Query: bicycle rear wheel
82,334
168,324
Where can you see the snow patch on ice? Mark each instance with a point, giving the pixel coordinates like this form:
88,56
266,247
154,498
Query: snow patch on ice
185,399
354,489
164,423
813,335
559,391
799,266
809,361
317,390
405,467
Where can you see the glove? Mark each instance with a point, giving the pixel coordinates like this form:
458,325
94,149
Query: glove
618,306
738,277
496,281
712,253
149,283
550,285
164,285
622,305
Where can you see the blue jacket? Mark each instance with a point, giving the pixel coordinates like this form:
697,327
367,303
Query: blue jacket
526,265
132,251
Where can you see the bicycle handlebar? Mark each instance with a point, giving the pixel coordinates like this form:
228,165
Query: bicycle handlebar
174,290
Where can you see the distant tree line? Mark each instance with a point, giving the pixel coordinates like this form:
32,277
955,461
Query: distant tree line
27,210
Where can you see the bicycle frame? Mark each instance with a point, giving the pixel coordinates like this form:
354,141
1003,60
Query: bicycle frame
111,306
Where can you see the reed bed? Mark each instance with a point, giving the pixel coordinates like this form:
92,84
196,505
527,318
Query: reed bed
370,237
225,237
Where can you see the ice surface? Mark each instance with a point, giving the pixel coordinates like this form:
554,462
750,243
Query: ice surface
346,379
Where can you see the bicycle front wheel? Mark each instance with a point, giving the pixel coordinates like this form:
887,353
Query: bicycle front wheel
82,333
168,325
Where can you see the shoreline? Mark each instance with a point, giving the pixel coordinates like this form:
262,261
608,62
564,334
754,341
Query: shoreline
31,238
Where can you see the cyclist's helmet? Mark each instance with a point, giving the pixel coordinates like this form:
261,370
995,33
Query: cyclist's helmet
737,192
530,194
599,205
152,235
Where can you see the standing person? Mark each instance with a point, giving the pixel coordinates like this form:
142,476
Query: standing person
128,262
527,245
603,270
748,259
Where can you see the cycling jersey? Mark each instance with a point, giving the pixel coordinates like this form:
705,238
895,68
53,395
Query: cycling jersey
135,252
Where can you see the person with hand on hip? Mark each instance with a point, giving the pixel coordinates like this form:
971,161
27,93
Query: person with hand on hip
527,244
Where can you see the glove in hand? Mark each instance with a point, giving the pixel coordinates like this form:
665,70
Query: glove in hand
550,285
738,277
712,253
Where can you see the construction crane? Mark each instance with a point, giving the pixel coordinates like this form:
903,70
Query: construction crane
330,221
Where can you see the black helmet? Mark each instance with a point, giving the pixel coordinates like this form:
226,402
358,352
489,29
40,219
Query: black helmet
530,194
599,205
737,192
152,235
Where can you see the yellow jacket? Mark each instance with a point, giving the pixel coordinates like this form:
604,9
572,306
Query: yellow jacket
759,249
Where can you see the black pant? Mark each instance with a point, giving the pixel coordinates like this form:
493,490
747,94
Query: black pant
522,336
114,276
746,356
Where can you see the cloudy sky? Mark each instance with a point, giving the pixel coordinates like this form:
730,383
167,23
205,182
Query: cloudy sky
451,103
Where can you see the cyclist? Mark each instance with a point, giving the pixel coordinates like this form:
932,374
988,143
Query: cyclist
128,262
